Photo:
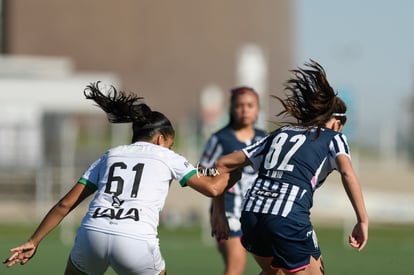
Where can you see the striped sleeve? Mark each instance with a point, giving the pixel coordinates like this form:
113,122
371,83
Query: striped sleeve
254,152
339,146
212,151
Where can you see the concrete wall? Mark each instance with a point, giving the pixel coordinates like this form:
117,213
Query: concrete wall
166,51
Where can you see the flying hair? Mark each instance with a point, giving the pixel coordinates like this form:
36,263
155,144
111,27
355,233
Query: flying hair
122,108
118,106
310,99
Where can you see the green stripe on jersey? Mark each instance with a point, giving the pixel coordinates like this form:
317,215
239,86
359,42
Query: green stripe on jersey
183,181
88,184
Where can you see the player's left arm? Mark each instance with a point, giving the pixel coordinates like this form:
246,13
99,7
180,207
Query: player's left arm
359,235
23,253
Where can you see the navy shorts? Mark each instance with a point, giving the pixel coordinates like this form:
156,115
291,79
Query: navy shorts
288,241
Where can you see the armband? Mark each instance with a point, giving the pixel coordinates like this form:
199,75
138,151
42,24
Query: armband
211,172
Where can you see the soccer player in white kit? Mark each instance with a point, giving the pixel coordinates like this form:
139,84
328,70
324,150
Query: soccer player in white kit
130,183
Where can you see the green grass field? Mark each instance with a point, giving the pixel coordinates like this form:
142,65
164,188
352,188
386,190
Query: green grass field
390,251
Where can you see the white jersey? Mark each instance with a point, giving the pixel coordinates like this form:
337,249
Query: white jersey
132,183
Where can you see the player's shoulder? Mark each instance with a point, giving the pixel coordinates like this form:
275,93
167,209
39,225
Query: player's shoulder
331,137
139,148
223,131
260,132
331,133
291,129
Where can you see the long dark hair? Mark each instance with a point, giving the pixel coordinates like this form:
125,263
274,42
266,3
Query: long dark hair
122,108
310,99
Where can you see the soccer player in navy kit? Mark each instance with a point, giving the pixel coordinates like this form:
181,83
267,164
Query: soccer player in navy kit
130,183
237,134
292,162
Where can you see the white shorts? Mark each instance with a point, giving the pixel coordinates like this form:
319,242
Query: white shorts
93,252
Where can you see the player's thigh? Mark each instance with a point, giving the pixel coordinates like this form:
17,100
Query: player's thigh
233,248
88,254
133,256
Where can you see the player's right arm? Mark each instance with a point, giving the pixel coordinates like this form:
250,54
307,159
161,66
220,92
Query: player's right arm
23,253
213,186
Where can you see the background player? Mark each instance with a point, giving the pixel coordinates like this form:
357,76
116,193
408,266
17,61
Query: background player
131,184
292,162
237,134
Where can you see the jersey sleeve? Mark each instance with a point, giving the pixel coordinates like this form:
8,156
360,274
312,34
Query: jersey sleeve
255,152
212,151
181,168
338,146
91,176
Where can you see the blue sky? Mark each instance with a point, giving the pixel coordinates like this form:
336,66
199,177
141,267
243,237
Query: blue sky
367,50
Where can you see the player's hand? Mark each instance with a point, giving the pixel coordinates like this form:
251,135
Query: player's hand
21,254
219,224
359,236
235,176
220,227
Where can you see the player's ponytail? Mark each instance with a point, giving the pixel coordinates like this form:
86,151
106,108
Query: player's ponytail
311,99
122,108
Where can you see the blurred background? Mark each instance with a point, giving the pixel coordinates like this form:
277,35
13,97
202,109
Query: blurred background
183,57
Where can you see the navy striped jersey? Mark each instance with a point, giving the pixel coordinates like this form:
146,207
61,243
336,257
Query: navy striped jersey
291,162
224,142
